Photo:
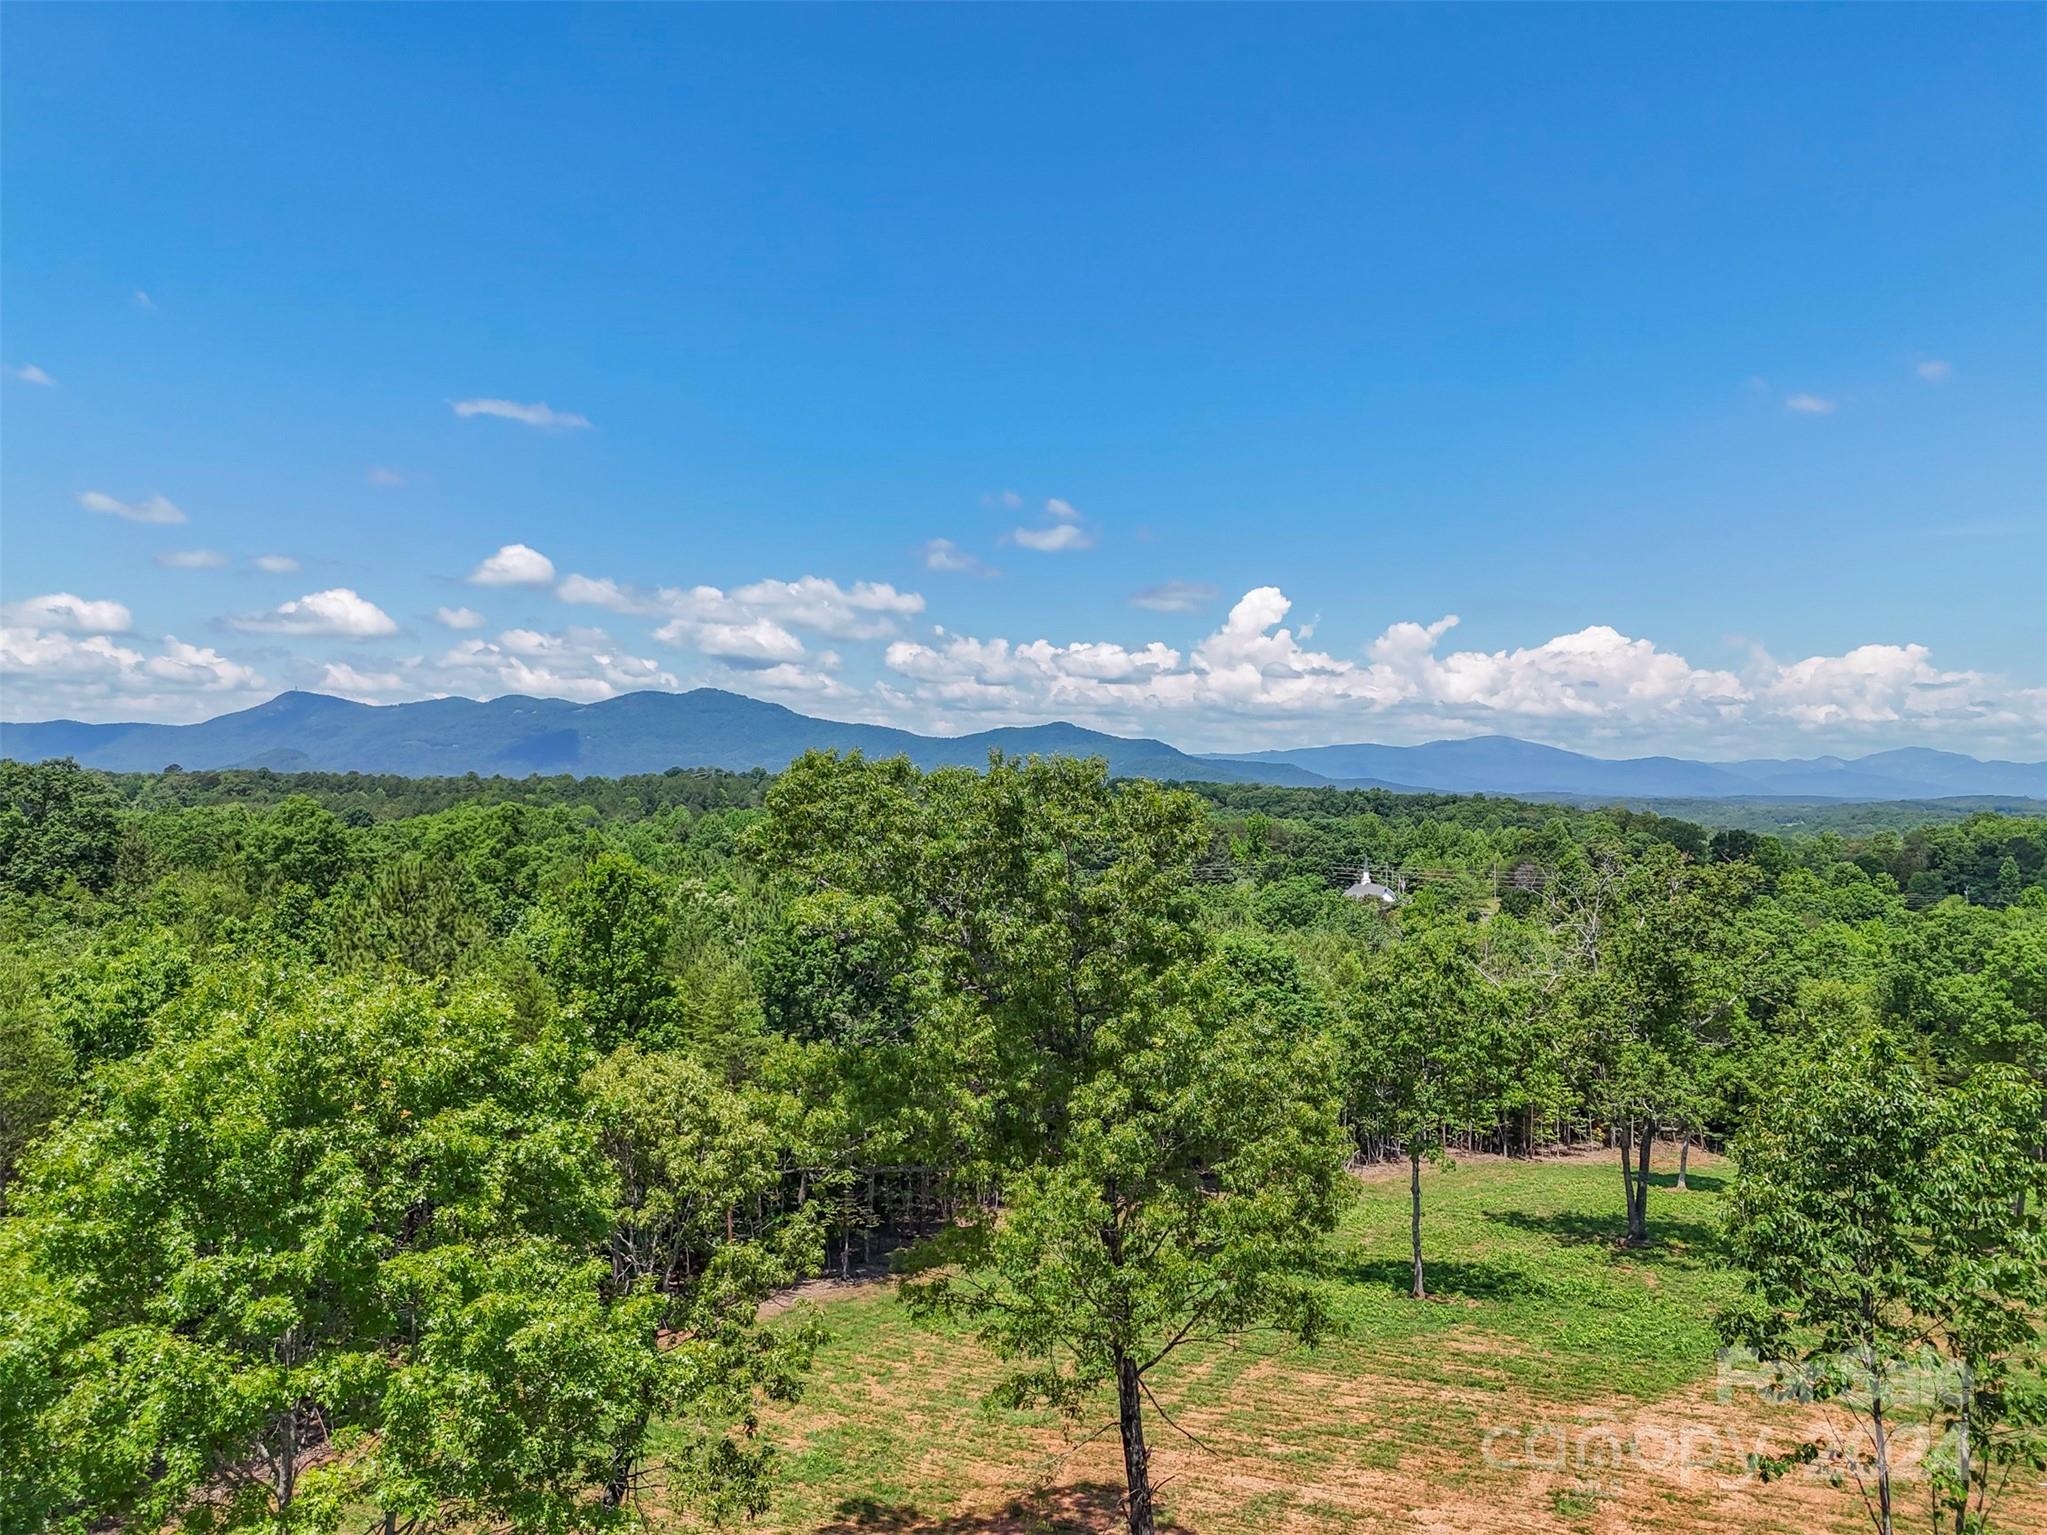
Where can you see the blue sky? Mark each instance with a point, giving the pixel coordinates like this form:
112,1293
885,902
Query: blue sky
1174,370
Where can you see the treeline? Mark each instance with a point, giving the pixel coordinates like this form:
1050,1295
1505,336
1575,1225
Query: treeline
360,798
412,1156
1988,859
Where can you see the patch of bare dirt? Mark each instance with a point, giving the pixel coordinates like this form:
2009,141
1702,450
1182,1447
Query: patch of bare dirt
823,1291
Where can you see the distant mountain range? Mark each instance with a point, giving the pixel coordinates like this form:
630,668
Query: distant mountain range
634,733
649,732
1503,765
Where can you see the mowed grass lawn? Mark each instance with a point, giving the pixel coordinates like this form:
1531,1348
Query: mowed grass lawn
1557,1382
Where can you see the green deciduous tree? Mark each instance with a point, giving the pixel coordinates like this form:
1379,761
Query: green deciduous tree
1877,1220
57,824
106,997
1656,974
365,1219
838,967
1167,1147
609,955
1186,1197
1827,1219
38,1071
698,1230
301,842
1422,1022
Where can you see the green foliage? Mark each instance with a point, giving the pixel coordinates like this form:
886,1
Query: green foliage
428,914
1881,1219
836,967
106,995
696,1159
1196,1174
57,825
1419,1025
609,952
1168,1150
38,1071
300,842
692,1153
223,1246
373,1144
373,1215
380,797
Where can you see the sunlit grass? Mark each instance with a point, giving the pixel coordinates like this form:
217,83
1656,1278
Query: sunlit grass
1537,1313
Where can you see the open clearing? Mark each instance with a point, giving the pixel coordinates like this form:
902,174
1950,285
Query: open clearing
1556,1384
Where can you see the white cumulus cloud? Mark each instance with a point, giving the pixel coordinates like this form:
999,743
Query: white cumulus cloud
199,667
275,564
362,685
337,612
1254,681
753,642
72,614
863,610
514,565
1884,684
581,664
50,672
459,618
191,559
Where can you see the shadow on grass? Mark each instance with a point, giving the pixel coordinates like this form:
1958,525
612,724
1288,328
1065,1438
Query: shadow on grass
1697,1183
1447,1279
1085,1508
1675,1240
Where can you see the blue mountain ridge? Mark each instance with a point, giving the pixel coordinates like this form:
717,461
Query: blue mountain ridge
634,733
707,727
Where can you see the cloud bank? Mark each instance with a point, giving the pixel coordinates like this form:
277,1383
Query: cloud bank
857,650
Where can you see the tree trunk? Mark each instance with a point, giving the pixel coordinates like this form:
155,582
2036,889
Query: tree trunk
1414,1184
1623,1136
1136,1459
1635,1179
287,1459
1962,1462
1638,1218
625,1457
1881,1436
1684,1161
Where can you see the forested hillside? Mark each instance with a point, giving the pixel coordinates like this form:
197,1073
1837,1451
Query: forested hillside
386,1154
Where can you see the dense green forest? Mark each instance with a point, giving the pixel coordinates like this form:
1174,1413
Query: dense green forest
382,1154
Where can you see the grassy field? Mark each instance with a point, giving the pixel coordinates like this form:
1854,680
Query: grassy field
1556,1383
